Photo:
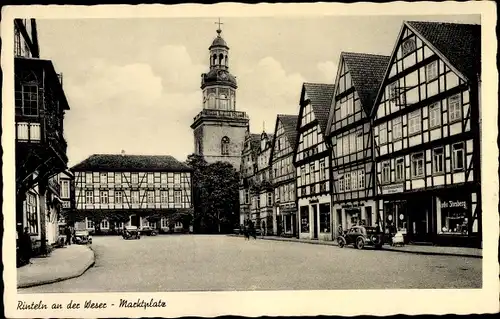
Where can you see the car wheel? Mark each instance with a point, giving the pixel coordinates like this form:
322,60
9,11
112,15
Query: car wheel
341,242
360,243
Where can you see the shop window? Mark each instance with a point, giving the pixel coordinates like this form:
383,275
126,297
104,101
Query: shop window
104,224
434,115
324,218
417,165
386,172
304,219
438,160
458,157
400,166
454,218
431,71
454,108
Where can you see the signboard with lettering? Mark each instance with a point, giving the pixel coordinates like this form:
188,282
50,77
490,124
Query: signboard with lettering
454,204
392,189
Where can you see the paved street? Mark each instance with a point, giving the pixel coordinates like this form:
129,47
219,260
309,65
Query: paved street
202,262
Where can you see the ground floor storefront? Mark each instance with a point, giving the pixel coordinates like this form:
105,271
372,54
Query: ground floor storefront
315,220
354,213
286,216
442,217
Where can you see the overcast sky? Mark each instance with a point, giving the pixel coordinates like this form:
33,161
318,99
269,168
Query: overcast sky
134,84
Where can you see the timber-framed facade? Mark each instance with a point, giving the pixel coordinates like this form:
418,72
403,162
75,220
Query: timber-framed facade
312,159
427,135
113,191
349,132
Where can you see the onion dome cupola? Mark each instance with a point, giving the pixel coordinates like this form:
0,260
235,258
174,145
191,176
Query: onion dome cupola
219,64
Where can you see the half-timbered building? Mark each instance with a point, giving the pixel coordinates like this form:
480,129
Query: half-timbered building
262,191
312,160
247,175
283,175
350,134
40,104
426,128
112,191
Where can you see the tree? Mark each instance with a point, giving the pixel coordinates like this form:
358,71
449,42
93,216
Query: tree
215,195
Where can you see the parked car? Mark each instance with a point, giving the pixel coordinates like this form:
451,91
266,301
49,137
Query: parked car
83,237
361,236
148,231
131,232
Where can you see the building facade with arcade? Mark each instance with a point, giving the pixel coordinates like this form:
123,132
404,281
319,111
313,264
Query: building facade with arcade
113,191
426,122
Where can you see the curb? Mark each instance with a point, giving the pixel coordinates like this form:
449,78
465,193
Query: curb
387,249
90,264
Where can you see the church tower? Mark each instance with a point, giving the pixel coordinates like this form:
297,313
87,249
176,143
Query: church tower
219,129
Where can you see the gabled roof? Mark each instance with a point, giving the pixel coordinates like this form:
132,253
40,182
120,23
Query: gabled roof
254,143
320,96
459,43
131,163
289,123
367,73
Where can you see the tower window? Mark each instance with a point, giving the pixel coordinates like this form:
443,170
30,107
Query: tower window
214,62
226,61
225,145
221,57
211,101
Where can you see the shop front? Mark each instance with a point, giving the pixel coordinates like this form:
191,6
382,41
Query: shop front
357,213
315,219
287,216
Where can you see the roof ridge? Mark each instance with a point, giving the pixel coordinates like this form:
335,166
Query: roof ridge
442,22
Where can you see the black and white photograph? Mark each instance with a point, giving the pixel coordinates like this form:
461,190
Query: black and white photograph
217,152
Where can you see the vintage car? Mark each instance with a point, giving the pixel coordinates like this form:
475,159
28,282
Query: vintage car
131,232
148,231
361,236
83,237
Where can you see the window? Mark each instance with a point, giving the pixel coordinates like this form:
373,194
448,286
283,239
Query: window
352,143
414,122
65,189
134,197
400,166
104,197
31,213
104,224
150,178
341,183
311,170
397,130
225,145
30,99
324,218
118,197
88,178
359,141
164,197
431,71
386,172
103,178
177,197
408,47
350,106
304,219
354,182
417,165
118,178
438,160
163,178
89,197
151,196
347,181
434,115
382,133
164,222
90,223
454,108
177,178
339,147
458,156
135,178
247,196
322,174
211,101
361,179
269,199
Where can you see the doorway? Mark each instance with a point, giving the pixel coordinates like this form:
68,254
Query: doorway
135,221
315,221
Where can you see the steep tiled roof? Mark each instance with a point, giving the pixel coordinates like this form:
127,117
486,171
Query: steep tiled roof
367,73
321,96
459,43
289,123
143,163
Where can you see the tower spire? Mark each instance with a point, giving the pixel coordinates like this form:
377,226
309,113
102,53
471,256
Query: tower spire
219,30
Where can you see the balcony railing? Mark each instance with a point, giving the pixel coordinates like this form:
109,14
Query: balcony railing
207,113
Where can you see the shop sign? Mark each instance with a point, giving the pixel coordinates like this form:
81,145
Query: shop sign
351,205
392,189
454,204
313,201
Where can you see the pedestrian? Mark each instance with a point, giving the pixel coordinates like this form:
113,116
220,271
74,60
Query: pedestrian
68,235
25,247
252,230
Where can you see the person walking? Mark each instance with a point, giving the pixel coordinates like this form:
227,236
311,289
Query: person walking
67,232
